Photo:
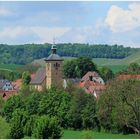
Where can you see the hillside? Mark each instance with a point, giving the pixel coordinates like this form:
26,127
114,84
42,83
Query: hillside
23,54
115,65
118,64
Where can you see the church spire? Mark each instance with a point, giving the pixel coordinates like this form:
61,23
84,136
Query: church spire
53,47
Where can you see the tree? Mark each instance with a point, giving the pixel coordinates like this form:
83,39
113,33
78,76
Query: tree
83,65
29,126
106,73
78,67
82,113
55,103
46,128
26,78
134,68
119,106
32,103
4,129
1,105
89,114
18,121
10,105
69,69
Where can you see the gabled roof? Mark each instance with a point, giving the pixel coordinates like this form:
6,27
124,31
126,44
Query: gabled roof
39,76
3,82
88,74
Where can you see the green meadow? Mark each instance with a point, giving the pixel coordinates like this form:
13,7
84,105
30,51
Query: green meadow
71,134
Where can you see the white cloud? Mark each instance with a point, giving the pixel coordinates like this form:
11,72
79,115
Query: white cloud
13,32
120,20
43,34
47,34
4,12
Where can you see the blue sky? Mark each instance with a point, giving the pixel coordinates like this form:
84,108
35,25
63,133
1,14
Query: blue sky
82,22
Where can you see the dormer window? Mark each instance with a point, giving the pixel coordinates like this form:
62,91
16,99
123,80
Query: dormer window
90,78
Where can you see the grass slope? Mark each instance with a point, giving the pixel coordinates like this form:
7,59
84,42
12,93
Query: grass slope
10,67
117,64
71,134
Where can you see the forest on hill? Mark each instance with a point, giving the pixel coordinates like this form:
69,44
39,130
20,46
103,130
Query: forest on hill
23,54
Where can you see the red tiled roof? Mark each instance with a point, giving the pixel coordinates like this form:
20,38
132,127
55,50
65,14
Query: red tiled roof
91,86
17,84
128,76
6,94
88,74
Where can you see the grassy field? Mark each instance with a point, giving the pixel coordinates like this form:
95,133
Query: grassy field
70,134
9,66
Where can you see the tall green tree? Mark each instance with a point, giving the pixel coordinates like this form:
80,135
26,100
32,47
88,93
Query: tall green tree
26,78
4,129
46,128
119,106
11,104
106,73
83,65
78,67
18,121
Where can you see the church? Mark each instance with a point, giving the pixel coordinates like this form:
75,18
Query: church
51,74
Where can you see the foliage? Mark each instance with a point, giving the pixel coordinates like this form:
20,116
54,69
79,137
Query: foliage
18,121
106,73
32,103
119,107
83,65
78,67
55,103
10,105
82,112
26,78
1,105
134,68
47,128
29,126
4,129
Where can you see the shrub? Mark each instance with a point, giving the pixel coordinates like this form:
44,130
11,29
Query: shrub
46,128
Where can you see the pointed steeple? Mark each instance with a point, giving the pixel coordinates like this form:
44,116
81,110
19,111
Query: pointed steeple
53,56
53,48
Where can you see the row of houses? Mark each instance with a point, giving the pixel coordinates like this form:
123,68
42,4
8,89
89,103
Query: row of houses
91,82
9,88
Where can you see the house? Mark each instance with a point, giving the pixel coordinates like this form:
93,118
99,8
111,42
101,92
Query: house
6,89
92,83
51,74
6,85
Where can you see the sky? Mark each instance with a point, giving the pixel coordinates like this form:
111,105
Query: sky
90,22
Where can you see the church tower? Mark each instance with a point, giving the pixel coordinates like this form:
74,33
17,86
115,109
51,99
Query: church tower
54,64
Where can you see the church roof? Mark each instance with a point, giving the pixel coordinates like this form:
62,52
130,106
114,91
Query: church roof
39,77
53,57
